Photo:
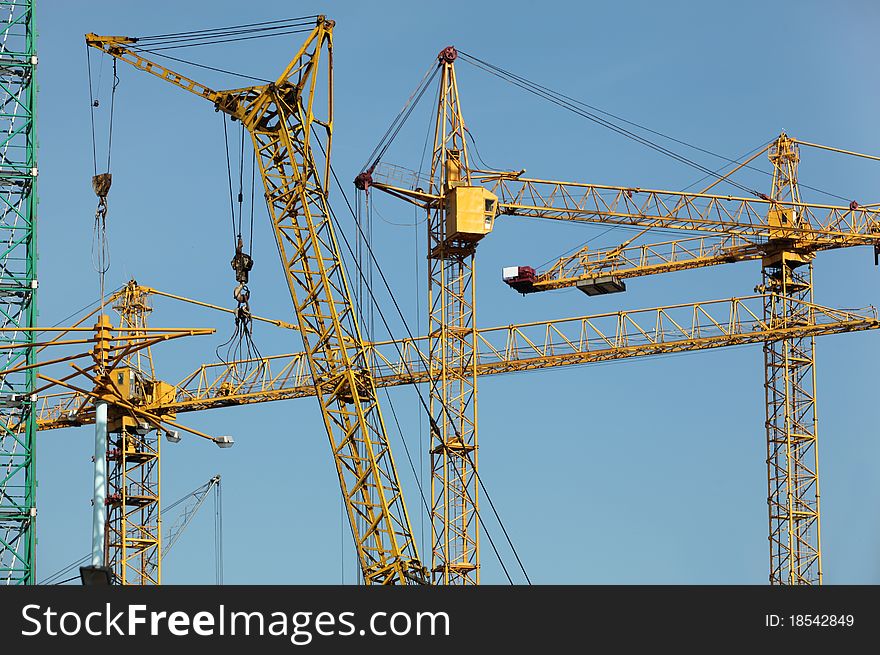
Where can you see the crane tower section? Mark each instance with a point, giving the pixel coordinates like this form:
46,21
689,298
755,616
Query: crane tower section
455,226
18,284
790,387
133,540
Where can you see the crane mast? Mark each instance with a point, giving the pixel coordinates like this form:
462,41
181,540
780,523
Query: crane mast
452,350
133,543
790,389
284,119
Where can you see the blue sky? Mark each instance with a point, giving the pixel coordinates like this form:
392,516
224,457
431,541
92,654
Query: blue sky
646,471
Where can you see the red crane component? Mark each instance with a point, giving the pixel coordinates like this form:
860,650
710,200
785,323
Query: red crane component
520,278
447,55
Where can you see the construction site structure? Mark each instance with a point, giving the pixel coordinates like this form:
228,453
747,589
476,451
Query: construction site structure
532,346
525,347
283,119
452,346
134,533
286,120
794,233
779,228
18,290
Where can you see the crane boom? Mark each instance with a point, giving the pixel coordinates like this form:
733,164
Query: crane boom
283,120
754,218
625,261
194,501
503,349
124,49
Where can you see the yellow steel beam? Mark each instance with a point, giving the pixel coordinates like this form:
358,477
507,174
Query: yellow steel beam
822,225
199,303
840,151
504,349
645,259
125,49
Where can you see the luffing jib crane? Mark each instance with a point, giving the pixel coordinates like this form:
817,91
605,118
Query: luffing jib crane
187,507
283,119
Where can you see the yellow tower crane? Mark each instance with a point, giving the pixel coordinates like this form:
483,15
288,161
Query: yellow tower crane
505,349
126,534
533,346
454,228
785,234
127,529
283,119
779,229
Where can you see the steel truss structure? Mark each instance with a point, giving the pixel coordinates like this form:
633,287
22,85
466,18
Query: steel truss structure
18,285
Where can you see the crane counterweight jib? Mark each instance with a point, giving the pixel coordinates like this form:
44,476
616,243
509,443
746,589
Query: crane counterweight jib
659,209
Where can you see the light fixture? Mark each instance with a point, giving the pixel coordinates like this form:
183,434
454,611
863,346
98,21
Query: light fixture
224,441
173,436
95,576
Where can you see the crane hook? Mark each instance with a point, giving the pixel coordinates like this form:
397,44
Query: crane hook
101,185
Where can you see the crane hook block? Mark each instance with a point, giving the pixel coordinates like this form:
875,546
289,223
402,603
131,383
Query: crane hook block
241,263
101,184
447,55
